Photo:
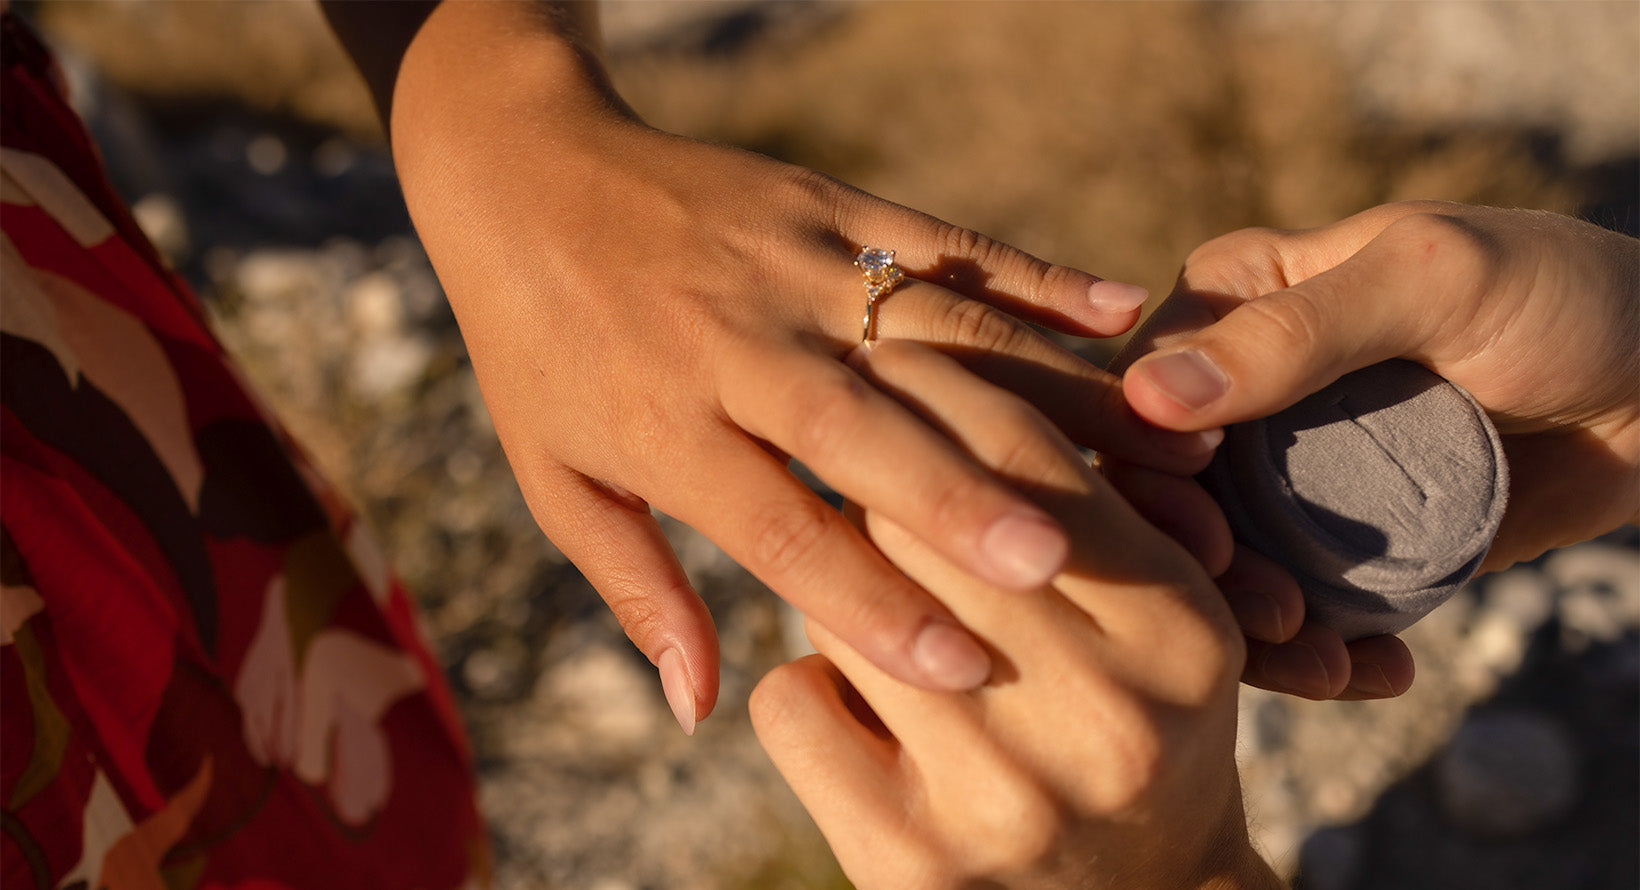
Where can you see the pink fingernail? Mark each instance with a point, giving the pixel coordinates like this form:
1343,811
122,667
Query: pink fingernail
1187,377
680,693
950,658
1027,550
1114,296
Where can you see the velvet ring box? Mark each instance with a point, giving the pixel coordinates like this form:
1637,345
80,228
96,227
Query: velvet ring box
1380,494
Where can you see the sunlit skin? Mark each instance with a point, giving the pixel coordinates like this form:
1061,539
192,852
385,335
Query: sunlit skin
1536,314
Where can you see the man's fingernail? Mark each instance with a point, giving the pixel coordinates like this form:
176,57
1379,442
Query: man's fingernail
1187,377
1298,668
1114,296
950,658
1025,550
680,693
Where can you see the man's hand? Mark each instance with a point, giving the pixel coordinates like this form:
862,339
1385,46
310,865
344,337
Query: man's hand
1101,752
1537,315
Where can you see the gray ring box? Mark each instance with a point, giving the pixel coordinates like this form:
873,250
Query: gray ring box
1380,494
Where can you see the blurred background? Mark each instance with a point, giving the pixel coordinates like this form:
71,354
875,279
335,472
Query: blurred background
1110,136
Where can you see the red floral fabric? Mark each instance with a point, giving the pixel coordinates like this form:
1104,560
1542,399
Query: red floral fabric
209,677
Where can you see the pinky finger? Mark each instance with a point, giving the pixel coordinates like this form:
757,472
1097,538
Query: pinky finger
833,752
612,538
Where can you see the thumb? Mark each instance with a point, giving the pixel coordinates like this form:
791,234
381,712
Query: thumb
1270,351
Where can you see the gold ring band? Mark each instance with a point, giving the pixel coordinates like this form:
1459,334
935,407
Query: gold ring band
881,274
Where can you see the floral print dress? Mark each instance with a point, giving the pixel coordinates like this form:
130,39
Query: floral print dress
208,676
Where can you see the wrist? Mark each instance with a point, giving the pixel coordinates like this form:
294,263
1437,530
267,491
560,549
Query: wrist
1233,864
1250,873
503,121
482,78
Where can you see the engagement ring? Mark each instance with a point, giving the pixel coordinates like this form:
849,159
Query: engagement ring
881,273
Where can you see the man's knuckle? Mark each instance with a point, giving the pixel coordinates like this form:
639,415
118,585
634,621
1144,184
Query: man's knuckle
1448,238
1297,320
776,700
1137,759
1017,829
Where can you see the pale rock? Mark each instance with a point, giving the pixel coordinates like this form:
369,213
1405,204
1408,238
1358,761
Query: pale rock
373,306
383,367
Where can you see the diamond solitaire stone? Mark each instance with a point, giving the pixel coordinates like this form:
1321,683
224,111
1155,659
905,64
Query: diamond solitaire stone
875,262
880,271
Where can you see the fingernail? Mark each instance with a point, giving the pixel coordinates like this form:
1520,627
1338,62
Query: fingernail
1207,440
1026,550
950,658
680,694
1187,377
1257,614
1199,442
1114,296
1297,667
1369,679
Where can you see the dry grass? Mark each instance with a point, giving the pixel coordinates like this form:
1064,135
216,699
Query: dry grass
1112,136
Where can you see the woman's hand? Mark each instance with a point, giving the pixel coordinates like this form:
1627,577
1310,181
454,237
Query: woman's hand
1537,315
1101,752
660,322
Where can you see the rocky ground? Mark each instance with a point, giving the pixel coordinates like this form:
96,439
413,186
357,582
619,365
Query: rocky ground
1111,136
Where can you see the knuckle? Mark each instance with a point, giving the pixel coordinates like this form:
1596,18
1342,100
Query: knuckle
967,244
810,191
777,700
1448,237
639,614
1294,320
1016,831
1024,449
1204,627
982,327
1136,759
1229,263
1256,241
951,504
825,412
784,536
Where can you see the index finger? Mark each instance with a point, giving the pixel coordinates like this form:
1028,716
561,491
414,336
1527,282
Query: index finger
802,548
